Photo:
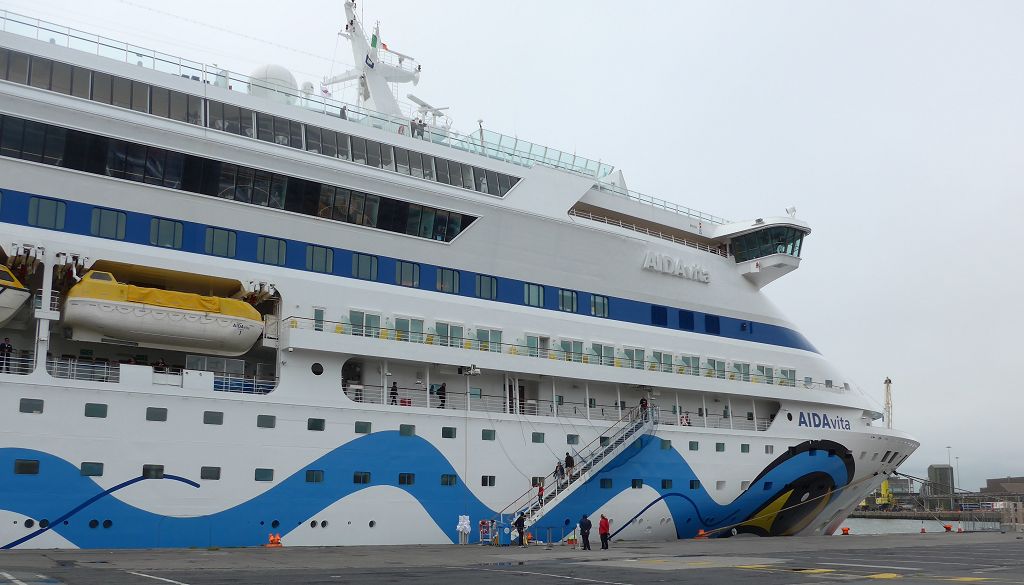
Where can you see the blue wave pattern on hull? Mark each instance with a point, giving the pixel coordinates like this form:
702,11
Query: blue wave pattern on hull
60,489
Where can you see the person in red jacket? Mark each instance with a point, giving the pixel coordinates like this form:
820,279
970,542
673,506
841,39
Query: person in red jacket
603,529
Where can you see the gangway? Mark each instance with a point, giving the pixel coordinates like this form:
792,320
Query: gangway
636,423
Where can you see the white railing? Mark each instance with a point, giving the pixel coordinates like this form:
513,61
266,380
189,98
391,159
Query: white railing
243,384
37,300
19,363
83,369
649,232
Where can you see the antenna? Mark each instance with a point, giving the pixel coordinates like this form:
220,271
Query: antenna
888,403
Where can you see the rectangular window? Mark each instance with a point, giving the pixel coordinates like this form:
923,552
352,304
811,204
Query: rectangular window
767,485
314,476
95,410
319,259
666,484
744,447
407,274
486,287
694,484
46,213
447,432
107,223
744,485
209,473
487,481
567,300
536,480
152,471
406,478
686,322
720,485
157,414
533,295
220,242
449,479
487,434
364,266
606,483
634,357
91,469
30,406
26,467
694,445
213,417
572,439
538,437
598,305
363,427
604,441
407,430
720,447
263,474
448,280
165,233
315,424
769,449
266,421
712,324
666,444
637,484
659,316
271,250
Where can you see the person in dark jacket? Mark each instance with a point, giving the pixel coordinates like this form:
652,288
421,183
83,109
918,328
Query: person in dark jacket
585,526
393,393
442,393
520,525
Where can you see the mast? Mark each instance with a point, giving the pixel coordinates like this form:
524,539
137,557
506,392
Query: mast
888,403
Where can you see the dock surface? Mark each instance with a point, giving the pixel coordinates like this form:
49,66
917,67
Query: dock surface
929,558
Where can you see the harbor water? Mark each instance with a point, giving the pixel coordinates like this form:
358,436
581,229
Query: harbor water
887,526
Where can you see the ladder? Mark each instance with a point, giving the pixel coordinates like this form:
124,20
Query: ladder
624,432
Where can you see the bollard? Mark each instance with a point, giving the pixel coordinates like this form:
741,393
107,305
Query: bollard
922,530
701,534
846,531
948,527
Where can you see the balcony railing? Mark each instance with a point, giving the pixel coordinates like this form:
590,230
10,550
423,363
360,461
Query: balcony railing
542,353
649,232
19,362
83,369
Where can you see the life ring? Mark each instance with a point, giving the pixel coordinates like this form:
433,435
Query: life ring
401,129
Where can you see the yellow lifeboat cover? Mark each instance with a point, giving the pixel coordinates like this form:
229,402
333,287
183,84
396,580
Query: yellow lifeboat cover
8,279
102,286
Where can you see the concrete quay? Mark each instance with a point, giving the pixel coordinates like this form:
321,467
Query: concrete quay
929,558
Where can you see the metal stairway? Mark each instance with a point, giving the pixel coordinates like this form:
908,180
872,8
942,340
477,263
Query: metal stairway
634,424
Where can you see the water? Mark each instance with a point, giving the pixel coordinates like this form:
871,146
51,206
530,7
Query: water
887,526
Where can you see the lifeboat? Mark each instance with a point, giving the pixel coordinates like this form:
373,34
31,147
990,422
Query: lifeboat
13,295
100,309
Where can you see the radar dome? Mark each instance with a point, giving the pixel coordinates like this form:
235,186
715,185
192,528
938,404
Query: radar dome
274,82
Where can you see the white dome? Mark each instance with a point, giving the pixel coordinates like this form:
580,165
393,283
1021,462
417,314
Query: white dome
273,82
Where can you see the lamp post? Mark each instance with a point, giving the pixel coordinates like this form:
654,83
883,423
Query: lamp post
949,462
957,458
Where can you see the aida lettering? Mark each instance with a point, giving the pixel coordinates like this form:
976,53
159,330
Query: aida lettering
823,421
674,266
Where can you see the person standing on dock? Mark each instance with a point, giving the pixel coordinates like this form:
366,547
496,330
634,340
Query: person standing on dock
585,526
603,528
520,525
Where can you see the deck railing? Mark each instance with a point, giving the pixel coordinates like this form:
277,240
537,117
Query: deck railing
82,369
649,232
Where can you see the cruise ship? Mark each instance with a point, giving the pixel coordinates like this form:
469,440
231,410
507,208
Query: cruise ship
235,308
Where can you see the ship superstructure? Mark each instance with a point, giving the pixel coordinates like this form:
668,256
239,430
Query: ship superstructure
237,307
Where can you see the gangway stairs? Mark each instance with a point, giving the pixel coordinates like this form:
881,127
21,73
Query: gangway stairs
634,424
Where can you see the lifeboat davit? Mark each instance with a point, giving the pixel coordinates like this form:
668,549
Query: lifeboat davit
100,309
13,295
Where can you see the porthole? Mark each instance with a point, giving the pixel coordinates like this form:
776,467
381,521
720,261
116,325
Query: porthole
789,416
323,524
29,523
275,524
373,523
107,523
317,368
312,524
94,523
44,523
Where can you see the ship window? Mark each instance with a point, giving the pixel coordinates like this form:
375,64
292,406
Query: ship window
281,130
659,316
160,102
46,213
344,146
95,410
694,445
415,164
107,223
328,143
165,233
17,67
769,449
266,421
441,170
407,274
220,242
263,474
533,295
598,305
314,476
122,93
572,439
406,478
467,176
387,157
606,483
151,471
178,104
101,87
666,444
359,150
447,432
80,79
157,414
264,127
712,324
604,441
26,467
407,430
486,287
694,484
315,424
373,153
209,473
666,484
361,477
140,97
637,484
30,406
447,280
61,78
567,300
271,250
364,266
538,437
487,481
720,485
487,434
428,167
767,485
313,139
455,173
91,469
363,427
449,479
402,160
319,259
12,137
213,417
40,74
296,134
686,320
480,179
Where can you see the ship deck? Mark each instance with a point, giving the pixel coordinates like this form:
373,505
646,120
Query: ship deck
911,558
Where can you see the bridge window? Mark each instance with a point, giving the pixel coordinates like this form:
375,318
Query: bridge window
772,240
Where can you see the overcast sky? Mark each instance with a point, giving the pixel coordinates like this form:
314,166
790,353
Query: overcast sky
896,128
